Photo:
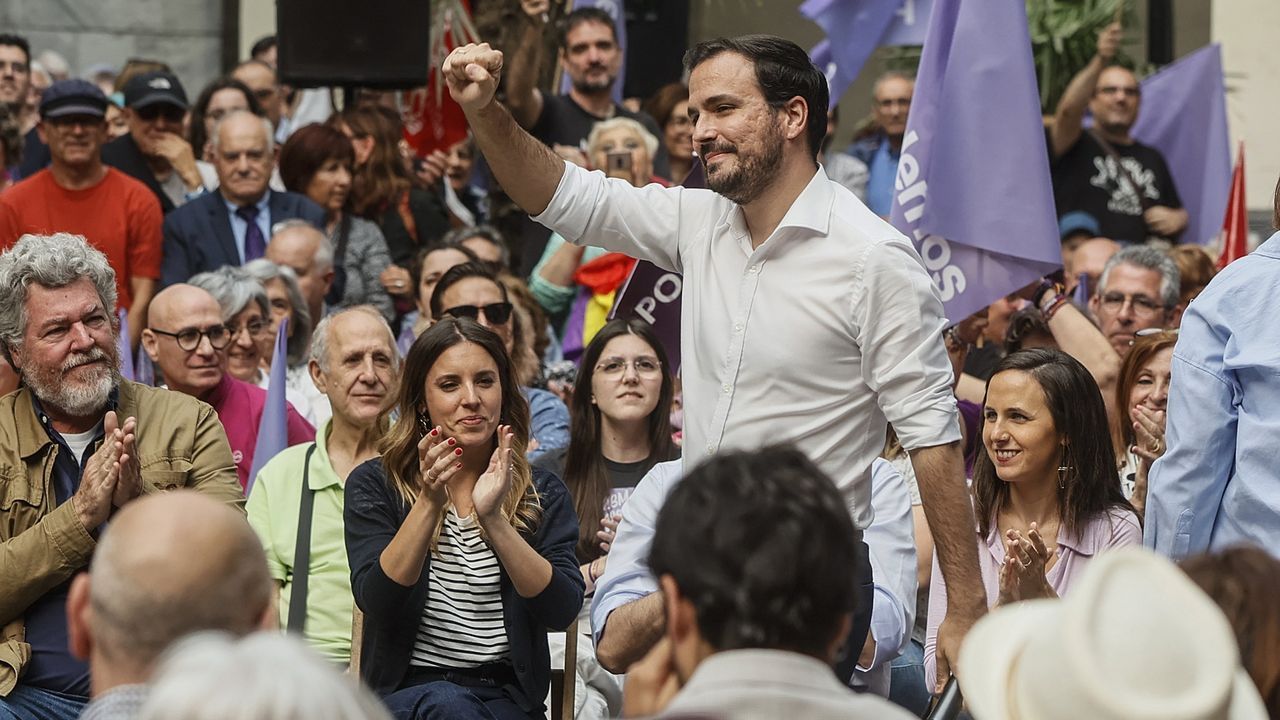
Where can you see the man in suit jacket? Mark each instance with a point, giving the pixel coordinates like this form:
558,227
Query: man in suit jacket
231,226
154,150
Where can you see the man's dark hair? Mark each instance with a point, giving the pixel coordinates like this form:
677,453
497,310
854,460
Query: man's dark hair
585,15
17,41
783,71
762,544
263,45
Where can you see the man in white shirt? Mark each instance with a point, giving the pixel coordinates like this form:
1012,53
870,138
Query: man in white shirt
805,318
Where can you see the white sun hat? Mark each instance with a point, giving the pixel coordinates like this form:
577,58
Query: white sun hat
1134,639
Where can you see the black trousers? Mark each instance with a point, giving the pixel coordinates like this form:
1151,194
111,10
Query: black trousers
865,598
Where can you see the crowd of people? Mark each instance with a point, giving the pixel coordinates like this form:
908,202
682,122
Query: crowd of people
499,501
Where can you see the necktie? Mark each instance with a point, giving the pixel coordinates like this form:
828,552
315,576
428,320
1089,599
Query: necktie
255,245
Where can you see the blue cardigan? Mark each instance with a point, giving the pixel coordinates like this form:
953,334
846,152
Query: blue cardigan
373,513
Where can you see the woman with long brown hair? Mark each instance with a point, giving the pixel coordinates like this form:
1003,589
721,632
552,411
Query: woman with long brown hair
382,190
1046,495
461,555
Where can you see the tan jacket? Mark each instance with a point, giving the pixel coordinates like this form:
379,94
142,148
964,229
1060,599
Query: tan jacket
180,443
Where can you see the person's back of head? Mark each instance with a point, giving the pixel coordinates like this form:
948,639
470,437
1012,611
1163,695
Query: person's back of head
1245,582
265,676
771,568
167,566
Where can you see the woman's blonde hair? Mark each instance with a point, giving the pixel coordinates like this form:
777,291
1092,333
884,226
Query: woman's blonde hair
400,446
650,142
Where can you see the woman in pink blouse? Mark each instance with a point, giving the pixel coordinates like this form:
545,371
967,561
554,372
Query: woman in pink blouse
1045,492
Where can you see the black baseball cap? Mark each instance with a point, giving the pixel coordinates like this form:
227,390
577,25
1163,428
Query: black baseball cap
154,88
73,96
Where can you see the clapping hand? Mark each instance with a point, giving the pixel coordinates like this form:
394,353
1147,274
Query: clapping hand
1022,574
608,531
129,474
438,461
491,488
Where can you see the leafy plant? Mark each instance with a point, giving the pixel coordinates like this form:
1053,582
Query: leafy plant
1064,38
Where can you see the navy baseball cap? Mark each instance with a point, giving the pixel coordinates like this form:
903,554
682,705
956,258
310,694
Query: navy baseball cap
73,96
154,88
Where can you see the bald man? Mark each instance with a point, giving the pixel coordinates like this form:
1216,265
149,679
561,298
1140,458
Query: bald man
231,226
302,247
168,565
187,342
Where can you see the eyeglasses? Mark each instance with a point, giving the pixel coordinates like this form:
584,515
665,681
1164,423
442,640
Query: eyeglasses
1119,90
615,366
1142,305
171,113
189,338
495,313
256,328
888,103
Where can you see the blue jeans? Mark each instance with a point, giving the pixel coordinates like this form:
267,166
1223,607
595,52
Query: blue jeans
29,703
443,700
906,680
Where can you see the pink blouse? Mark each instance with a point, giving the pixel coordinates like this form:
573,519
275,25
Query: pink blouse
1117,528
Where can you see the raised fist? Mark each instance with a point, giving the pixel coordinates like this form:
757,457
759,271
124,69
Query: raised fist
472,72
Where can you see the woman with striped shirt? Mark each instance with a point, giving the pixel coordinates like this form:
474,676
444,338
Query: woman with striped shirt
462,557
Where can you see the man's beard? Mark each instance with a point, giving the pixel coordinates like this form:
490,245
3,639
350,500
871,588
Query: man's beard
586,86
753,173
76,398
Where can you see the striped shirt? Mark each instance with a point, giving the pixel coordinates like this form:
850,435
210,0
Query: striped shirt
462,622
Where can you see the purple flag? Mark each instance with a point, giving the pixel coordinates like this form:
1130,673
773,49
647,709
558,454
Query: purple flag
1184,115
653,294
124,346
857,27
617,11
973,190
273,428
1081,294
146,371
909,24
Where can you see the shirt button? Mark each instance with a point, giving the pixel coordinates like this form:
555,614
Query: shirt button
737,328
726,387
710,448
755,268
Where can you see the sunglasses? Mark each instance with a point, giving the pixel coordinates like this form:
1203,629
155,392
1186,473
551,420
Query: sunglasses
495,313
172,113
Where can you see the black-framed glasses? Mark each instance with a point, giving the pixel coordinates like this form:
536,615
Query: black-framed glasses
188,339
256,328
496,313
172,113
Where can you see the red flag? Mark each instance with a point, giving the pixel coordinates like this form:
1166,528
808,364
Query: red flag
1235,228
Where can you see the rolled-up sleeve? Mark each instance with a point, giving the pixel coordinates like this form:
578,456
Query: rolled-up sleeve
900,322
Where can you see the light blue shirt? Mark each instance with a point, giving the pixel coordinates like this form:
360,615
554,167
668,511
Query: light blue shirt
549,421
239,227
890,541
1217,483
883,170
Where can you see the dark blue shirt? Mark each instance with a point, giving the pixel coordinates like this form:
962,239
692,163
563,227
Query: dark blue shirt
52,665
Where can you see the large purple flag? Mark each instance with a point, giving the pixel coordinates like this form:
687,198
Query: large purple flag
617,11
146,371
973,190
273,428
910,24
854,29
1184,115
124,346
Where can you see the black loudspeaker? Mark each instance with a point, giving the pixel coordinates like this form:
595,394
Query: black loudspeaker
380,44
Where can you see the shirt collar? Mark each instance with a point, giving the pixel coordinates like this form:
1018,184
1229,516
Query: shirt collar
263,205
320,461
810,211
40,425
218,395
1270,247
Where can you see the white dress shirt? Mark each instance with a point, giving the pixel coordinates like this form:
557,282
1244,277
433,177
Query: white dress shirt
890,542
813,338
